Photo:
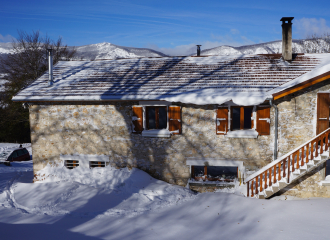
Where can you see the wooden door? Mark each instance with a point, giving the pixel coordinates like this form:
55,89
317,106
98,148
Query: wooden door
323,104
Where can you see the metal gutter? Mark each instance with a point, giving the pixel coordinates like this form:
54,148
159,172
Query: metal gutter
276,128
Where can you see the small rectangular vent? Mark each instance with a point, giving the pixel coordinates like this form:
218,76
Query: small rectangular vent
70,164
93,164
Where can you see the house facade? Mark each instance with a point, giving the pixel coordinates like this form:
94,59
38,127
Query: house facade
204,121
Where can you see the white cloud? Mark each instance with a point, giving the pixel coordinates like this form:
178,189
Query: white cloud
234,31
311,26
7,38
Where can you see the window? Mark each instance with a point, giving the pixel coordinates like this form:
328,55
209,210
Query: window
214,173
241,118
70,164
14,155
156,117
243,121
20,152
93,164
154,120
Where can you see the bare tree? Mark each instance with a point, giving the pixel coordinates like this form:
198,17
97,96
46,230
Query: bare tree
317,43
29,61
26,63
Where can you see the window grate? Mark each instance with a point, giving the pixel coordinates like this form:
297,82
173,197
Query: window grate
93,164
215,173
70,164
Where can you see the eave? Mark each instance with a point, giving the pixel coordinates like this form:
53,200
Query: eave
302,85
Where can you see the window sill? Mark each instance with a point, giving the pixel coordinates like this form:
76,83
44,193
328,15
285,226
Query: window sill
193,182
156,133
250,133
325,183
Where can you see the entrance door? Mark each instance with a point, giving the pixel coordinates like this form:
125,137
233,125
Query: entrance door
323,104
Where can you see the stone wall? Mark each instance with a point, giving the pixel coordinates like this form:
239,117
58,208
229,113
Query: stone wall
297,125
105,129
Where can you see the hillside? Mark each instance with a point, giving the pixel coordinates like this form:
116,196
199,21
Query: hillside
110,51
101,51
320,45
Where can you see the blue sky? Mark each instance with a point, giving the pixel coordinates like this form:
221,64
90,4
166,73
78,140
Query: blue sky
170,26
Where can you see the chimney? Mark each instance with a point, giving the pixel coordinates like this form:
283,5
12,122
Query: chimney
198,50
50,66
287,38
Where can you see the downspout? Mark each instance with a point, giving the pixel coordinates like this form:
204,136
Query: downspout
276,127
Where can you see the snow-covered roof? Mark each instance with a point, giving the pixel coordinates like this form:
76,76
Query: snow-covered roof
244,79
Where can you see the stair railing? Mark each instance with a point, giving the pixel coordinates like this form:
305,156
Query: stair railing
288,163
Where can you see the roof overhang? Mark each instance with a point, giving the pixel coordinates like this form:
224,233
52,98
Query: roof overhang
302,85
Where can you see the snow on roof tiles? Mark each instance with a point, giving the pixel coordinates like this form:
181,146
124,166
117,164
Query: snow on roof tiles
199,80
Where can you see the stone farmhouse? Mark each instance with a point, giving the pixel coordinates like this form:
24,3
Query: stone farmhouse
205,121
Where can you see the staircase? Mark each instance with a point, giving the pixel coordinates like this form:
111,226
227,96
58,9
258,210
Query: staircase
290,167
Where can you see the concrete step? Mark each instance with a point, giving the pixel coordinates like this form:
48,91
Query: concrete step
324,156
310,164
261,195
303,169
268,192
317,159
275,187
296,173
283,183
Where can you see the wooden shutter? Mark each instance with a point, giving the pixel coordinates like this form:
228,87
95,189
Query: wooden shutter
137,119
263,120
323,103
222,121
174,115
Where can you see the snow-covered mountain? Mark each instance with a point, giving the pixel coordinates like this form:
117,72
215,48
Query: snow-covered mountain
101,51
320,45
110,51
5,48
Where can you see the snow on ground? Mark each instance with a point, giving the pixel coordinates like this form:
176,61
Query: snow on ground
108,203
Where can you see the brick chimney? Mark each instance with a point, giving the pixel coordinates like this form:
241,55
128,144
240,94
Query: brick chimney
287,38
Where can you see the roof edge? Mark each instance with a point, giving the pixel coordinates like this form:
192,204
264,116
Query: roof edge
302,85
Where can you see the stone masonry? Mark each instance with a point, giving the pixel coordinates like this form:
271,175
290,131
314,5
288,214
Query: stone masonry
105,128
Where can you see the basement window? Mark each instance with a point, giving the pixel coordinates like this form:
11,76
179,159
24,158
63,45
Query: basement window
94,164
70,164
214,173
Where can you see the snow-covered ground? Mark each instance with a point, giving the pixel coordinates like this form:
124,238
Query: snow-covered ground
108,203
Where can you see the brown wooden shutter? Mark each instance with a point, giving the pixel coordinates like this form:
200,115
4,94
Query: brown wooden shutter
323,103
137,119
174,114
263,120
222,121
